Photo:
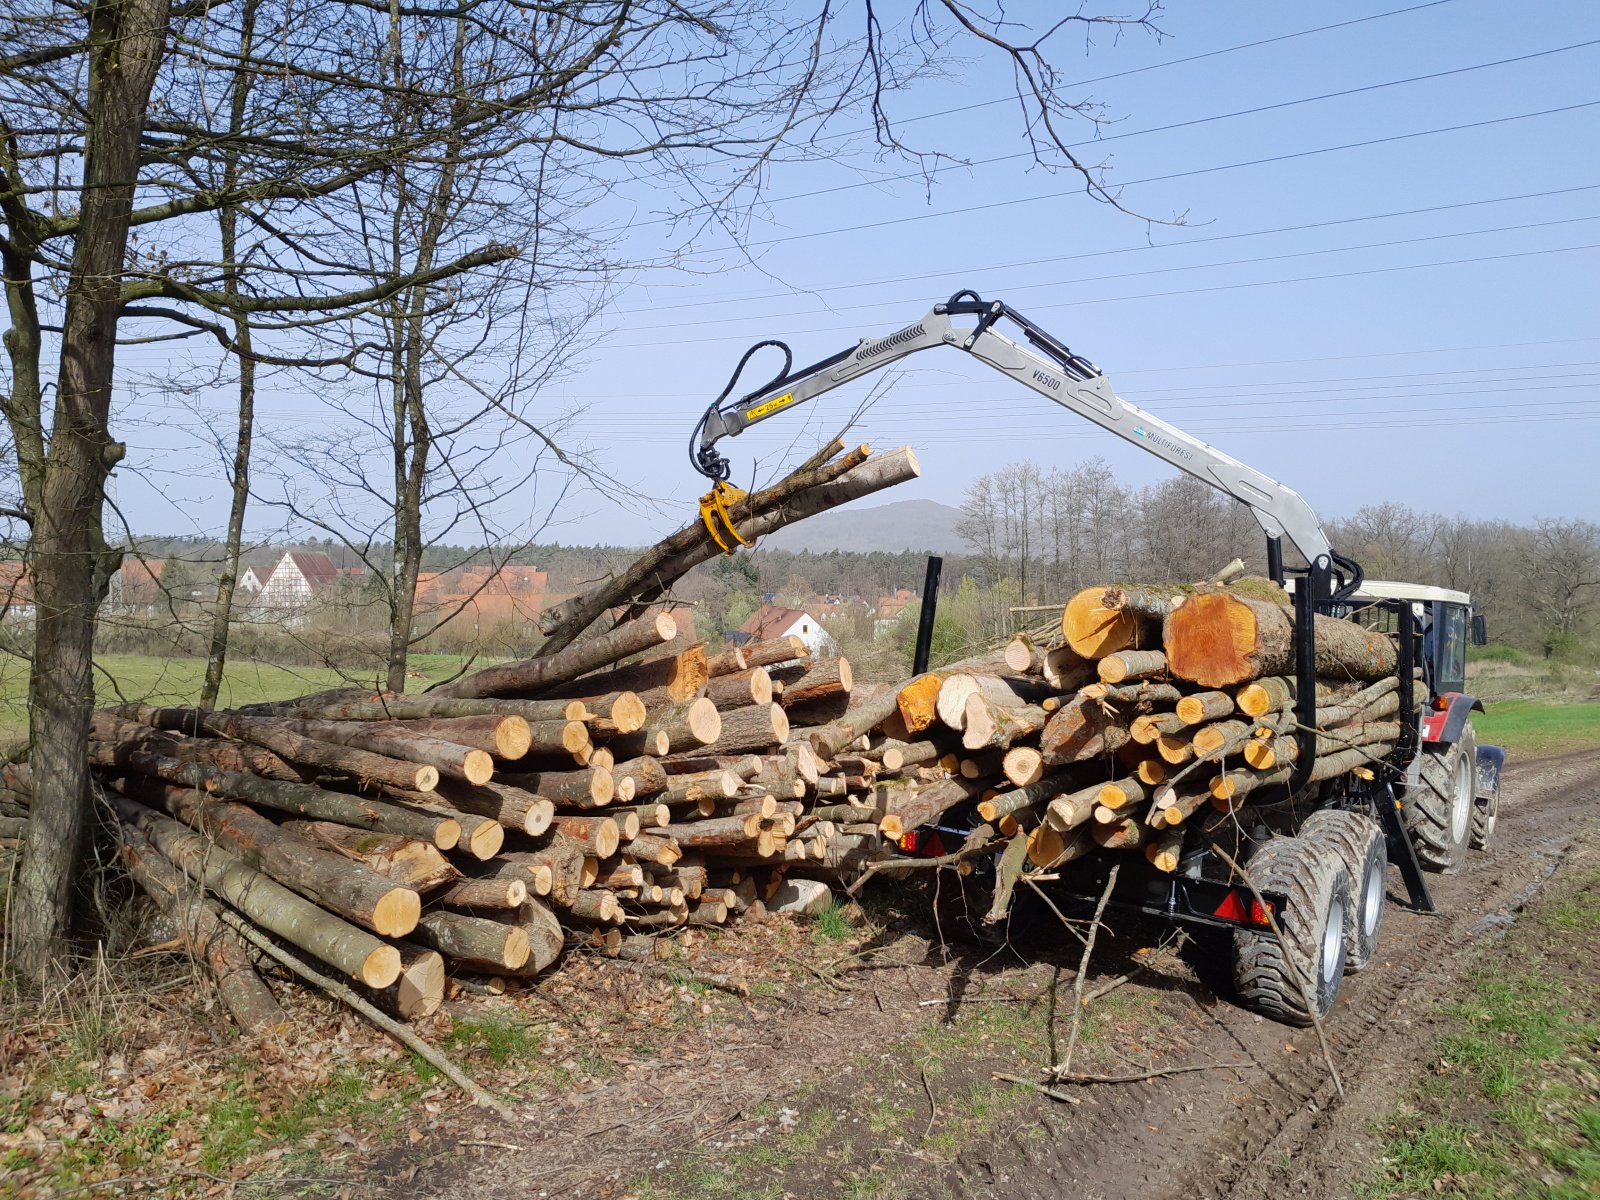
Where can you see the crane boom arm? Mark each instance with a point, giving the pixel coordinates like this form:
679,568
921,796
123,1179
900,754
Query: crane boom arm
1056,373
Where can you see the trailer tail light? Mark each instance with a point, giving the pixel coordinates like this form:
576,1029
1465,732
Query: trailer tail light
923,843
1246,911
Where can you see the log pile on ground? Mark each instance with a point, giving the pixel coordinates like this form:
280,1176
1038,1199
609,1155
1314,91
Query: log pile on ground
625,785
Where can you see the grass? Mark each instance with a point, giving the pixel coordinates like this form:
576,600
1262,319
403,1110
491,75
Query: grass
121,678
1531,729
1513,1109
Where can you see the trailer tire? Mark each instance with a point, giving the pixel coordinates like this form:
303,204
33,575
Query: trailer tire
1276,977
1358,841
1440,808
1486,804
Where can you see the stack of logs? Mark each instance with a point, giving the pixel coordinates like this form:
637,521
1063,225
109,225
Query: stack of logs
474,831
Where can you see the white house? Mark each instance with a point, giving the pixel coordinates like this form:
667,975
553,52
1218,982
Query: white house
249,585
771,621
298,576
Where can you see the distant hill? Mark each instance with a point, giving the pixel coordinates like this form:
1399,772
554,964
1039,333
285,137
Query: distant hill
904,525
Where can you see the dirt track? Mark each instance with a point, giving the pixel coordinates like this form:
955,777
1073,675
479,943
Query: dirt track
1267,1126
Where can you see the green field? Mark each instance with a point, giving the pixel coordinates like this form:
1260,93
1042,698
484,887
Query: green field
121,678
1533,728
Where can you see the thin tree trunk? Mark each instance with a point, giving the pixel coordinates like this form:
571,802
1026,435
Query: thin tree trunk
71,565
228,222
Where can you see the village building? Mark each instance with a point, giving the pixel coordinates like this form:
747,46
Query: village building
295,581
772,621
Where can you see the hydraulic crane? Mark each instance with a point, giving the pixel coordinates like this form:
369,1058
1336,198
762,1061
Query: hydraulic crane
1053,370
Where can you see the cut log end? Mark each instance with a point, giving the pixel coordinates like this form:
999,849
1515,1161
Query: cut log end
396,912
426,779
381,967
1092,630
477,767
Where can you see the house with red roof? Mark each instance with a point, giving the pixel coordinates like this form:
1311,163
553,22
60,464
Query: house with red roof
296,580
773,621
16,591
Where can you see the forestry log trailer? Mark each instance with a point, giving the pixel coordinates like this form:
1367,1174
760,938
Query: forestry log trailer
1316,852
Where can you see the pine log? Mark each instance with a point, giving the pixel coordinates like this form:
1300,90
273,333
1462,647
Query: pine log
803,493
396,740
1049,848
1126,834
825,679
752,686
408,861
269,905
1146,729
687,726
1002,691
1093,628
419,991
514,807
728,662
651,743
598,835
502,735
1201,707
248,1000
543,933
1006,803
678,678
1079,731
396,707
1127,665
593,787
1072,809
477,942
298,798
321,876
1163,849
1219,639
1022,765
566,661
121,736
490,891
647,775
988,725
756,727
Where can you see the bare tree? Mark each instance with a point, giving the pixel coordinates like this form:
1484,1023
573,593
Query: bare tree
1561,576
108,199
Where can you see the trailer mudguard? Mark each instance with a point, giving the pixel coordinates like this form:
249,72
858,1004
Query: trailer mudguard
1444,726
1491,760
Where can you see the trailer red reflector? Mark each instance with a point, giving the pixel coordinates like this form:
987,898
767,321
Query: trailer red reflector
1231,908
1234,908
909,840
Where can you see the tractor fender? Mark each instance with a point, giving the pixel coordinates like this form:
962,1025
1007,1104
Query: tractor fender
1444,726
1491,759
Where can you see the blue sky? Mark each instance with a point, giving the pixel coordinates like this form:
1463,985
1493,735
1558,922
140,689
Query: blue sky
1412,319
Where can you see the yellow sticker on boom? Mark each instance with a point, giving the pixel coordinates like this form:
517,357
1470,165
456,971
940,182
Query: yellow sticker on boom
771,406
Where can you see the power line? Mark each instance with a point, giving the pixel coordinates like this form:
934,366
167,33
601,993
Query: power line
1254,162
1228,287
1160,66
1188,124
1061,258
1061,283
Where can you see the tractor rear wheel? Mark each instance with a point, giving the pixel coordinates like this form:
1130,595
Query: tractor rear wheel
1358,841
1293,978
1439,809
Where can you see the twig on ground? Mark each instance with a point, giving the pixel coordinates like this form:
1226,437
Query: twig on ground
1038,1087
665,970
972,849
1083,968
1066,924
826,977
1299,979
1144,964
933,1105
387,1024
1153,1073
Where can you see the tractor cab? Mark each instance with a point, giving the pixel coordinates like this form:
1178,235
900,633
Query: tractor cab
1446,622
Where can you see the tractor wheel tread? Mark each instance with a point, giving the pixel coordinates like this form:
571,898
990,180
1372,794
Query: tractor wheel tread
1266,971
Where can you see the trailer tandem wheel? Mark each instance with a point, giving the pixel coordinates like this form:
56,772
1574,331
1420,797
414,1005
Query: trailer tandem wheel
1275,977
1360,844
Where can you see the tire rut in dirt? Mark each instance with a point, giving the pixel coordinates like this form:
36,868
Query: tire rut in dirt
1217,1135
